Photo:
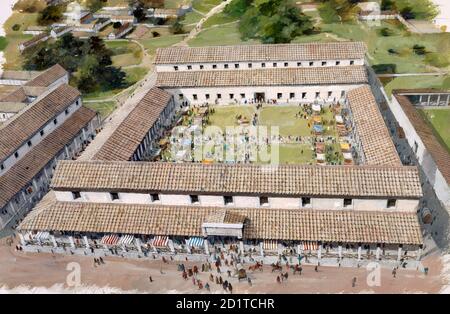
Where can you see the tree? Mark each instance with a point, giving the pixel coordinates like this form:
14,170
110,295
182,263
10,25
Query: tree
417,9
334,11
388,5
50,15
146,3
30,6
176,27
139,13
95,5
274,21
117,25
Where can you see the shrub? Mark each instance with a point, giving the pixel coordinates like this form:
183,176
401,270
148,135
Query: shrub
419,49
437,60
15,27
386,32
392,51
387,68
156,34
117,25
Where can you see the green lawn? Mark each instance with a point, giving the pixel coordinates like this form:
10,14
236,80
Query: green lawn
224,35
160,42
401,41
226,115
103,108
191,18
173,4
12,55
205,6
125,53
217,19
290,154
413,82
440,121
135,74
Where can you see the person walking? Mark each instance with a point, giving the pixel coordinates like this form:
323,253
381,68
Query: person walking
278,279
354,282
394,272
316,269
249,281
150,278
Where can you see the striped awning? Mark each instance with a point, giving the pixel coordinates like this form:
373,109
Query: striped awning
126,239
310,246
160,241
42,236
270,245
195,241
110,239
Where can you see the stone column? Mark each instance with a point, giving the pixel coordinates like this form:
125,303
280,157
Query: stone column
171,247
319,252
86,242
429,99
378,252
22,239
52,237
299,249
72,244
261,249
241,246
419,253
399,252
359,253
340,251
438,99
206,244
448,100
137,242
67,151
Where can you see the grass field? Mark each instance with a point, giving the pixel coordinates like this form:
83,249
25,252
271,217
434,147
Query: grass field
413,82
224,35
226,115
160,42
125,53
290,154
3,43
205,6
400,40
191,18
440,121
12,55
218,19
103,108
135,74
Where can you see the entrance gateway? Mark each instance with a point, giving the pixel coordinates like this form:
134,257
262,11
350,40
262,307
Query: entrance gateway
260,97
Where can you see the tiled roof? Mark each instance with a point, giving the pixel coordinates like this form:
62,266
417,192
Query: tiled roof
414,91
35,40
125,140
23,126
226,216
275,224
438,152
291,180
274,52
264,77
21,174
374,136
48,77
18,95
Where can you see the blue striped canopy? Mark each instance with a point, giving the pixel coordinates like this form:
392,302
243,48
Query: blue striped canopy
195,241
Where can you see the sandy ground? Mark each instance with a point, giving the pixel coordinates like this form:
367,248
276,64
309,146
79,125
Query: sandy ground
27,272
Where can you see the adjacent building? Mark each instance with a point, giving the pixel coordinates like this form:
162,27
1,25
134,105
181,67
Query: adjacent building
429,151
52,126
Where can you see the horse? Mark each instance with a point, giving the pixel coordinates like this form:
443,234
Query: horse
296,268
257,266
276,267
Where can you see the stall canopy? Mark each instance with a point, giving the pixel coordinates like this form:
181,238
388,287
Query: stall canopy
310,246
345,146
347,156
126,239
110,239
318,128
339,119
316,107
195,242
317,119
160,241
270,245
320,157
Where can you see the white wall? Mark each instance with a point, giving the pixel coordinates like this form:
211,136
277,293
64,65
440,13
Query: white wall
242,201
271,92
220,66
434,176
